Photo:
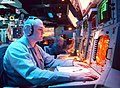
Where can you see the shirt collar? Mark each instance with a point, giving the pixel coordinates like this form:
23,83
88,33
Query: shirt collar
25,40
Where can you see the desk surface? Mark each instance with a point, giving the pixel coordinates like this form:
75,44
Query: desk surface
109,79
113,79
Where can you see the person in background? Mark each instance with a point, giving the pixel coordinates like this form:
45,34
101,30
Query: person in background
57,47
9,34
65,37
70,46
52,41
25,62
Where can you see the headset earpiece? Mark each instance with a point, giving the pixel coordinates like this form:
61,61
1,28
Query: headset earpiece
31,31
31,26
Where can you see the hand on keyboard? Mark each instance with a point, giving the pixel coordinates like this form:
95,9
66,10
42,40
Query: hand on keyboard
76,63
83,76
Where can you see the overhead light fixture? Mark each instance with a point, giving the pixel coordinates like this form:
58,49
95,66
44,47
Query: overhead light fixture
7,2
3,7
70,28
72,19
47,5
59,15
11,18
1,18
50,15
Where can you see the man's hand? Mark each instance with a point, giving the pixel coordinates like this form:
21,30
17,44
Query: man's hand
76,63
83,77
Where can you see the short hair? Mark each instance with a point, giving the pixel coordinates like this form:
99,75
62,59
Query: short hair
60,39
29,25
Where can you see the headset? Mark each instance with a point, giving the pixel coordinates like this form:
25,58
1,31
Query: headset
31,31
32,27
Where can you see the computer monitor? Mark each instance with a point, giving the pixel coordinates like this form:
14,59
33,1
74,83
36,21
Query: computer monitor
49,31
104,11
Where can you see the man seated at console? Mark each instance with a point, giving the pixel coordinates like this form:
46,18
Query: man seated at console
25,62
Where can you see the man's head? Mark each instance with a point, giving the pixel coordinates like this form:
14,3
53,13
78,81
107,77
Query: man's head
33,28
60,41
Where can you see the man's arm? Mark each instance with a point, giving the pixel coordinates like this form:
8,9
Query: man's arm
22,61
51,62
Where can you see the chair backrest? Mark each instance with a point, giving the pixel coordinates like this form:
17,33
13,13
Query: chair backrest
2,53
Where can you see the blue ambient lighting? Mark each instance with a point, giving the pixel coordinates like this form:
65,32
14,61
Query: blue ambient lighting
50,15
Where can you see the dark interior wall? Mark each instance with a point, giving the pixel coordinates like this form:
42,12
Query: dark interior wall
116,57
118,10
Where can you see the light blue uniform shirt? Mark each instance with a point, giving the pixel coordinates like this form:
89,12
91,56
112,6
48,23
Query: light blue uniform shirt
22,69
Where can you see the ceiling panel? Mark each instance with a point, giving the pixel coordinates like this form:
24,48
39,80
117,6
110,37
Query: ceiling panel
58,8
